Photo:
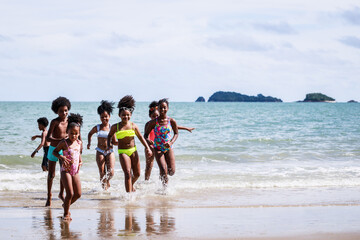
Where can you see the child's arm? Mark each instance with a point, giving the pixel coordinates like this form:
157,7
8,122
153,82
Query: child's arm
185,128
114,140
92,131
49,136
59,147
34,137
42,143
111,134
142,140
148,127
80,158
176,133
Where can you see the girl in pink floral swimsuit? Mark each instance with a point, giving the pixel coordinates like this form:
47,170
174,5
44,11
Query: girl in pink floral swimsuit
70,163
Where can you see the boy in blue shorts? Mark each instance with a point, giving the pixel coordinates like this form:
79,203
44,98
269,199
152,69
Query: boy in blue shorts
57,132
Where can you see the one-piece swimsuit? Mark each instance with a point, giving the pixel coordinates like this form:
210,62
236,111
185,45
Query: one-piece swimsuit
162,135
73,156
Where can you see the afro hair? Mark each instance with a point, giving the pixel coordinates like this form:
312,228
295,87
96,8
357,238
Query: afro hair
126,103
60,102
105,106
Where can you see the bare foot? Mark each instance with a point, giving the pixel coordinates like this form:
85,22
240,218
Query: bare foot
108,184
67,218
133,189
61,196
48,201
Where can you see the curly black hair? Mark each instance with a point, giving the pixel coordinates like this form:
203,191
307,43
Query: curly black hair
60,102
126,103
74,119
153,106
105,106
43,121
164,100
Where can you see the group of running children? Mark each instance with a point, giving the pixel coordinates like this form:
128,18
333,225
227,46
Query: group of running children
63,143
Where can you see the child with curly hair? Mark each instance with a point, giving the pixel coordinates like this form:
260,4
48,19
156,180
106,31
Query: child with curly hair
125,132
70,162
163,141
42,124
153,114
105,159
57,132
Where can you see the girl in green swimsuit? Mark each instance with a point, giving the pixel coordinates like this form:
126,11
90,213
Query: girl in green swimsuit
125,132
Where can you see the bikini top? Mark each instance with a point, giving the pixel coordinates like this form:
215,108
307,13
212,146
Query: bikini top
102,133
124,133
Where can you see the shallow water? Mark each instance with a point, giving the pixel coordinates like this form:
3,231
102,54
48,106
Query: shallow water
241,154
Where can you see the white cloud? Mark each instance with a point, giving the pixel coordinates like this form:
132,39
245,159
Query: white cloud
178,49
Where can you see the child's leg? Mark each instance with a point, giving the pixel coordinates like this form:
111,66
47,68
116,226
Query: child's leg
149,164
125,162
68,185
100,160
76,184
51,175
61,193
160,159
110,166
170,161
135,165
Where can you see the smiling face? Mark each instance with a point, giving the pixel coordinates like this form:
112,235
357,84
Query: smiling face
163,108
125,116
104,118
63,111
73,133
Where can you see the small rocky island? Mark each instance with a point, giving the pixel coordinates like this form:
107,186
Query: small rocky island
238,97
318,97
200,99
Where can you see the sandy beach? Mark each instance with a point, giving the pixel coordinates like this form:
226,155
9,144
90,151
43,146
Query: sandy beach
113,218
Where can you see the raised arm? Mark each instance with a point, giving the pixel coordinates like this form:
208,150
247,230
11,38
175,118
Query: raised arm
186,128
92,131
42,143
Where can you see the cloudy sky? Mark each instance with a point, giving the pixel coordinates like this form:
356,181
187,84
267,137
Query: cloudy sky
93,50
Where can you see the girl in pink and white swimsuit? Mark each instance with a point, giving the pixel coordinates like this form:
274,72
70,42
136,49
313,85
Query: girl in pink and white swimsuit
70,163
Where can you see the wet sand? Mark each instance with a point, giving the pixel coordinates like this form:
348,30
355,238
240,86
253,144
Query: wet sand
107,220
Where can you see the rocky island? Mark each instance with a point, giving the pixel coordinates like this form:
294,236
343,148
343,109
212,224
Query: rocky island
317,97
238,97
200,99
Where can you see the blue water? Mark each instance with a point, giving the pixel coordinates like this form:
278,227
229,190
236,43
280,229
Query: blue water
235,147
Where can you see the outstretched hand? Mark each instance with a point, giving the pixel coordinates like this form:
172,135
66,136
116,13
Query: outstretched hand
33,138
190,129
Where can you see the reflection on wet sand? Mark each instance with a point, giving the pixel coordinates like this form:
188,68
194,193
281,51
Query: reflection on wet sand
49,224
164,225
132,227
105,223
65,231
111,222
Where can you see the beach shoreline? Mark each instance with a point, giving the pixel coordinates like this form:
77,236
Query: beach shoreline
159,222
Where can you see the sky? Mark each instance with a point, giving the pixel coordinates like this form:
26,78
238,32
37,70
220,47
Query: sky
93,50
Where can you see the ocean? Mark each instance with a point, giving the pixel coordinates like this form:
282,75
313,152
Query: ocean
239,155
